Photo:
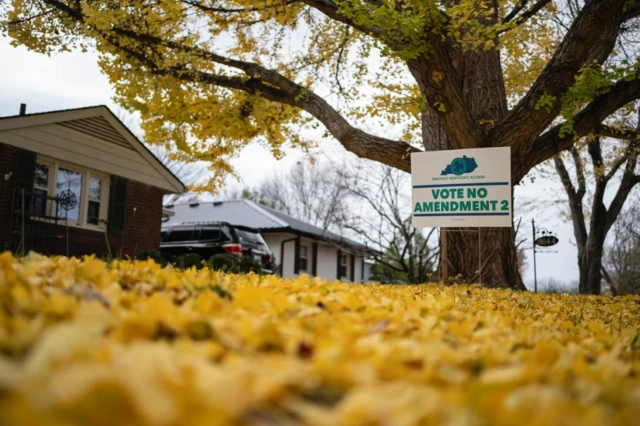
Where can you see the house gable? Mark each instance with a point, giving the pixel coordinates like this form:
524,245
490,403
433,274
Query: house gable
91,137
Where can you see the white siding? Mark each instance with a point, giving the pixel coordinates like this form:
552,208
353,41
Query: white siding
327,262
274,241
367,271
358,269
327,266
62,143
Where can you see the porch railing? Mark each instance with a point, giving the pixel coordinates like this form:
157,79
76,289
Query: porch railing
38,223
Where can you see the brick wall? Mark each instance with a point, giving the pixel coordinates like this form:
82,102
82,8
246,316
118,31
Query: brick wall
143,220
142,223
7,158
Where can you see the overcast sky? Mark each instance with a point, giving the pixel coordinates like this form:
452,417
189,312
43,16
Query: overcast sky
73,80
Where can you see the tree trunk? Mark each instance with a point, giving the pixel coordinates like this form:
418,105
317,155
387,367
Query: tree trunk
590,264
490,260
590,257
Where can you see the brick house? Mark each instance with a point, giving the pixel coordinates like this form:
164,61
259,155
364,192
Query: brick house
77,182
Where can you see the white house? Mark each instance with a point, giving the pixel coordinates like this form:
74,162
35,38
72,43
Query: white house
299,247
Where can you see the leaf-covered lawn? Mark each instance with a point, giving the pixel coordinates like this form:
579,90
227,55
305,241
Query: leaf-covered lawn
132,343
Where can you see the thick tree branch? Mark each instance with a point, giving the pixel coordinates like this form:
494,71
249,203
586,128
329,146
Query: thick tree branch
582,185
263,82
633,10
565,178
590,39
329,8
595,151
616,133
550,143
436,77
628,152
198,4
616,166
627,183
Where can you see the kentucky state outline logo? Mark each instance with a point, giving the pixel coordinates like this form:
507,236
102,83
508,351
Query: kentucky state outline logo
460,166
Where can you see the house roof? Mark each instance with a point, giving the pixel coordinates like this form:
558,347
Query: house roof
249,214
104,127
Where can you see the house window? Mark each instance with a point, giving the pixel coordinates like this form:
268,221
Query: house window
303,258
82,194
93,206
40,189
343,265
69,193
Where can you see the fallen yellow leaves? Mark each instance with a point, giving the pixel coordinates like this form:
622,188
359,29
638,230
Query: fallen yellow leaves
83,342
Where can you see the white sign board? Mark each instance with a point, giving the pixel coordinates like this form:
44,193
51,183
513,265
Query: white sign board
462,188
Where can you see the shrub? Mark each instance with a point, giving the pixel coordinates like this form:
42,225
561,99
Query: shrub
186,261
151,254
224,262
234,265
168,257
247,264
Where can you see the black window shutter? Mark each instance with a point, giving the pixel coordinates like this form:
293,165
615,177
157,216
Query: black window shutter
296,263
24,170
118,205
24,173
339,256
353,268
314,259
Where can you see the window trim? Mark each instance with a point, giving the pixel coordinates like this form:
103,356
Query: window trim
87,174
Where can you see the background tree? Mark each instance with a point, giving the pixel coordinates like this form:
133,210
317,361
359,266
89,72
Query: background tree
622,258
209,76
401,251
591,223
359,200
317,193
189,173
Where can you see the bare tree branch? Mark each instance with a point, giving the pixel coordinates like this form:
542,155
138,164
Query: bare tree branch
575,202
537,7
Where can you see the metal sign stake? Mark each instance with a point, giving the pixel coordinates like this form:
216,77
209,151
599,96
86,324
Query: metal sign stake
535,272
445,257
479,259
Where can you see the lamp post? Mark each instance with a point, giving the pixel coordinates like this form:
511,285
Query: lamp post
542,238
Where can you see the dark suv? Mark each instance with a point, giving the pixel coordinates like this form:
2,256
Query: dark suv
207,239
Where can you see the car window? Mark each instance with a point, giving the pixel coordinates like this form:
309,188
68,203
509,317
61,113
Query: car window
251,237
210,234
180,234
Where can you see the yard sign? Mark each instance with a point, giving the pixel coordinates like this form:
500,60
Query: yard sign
462,188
